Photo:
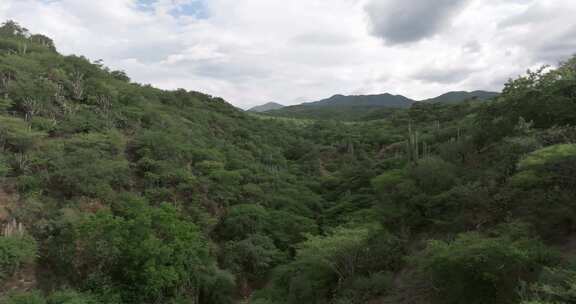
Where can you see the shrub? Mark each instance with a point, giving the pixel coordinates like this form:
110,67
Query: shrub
475,269
363,288
547,155
71,297
32,297
434,175
4,166
554,285
553,166
15,251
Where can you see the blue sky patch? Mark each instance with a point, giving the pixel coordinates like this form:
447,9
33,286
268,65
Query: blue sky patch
193,8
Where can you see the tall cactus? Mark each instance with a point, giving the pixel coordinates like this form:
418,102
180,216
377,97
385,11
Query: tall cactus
417,147
413,146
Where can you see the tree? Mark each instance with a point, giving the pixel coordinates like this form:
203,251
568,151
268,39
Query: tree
242,221
478,269
288,229
43,40
400,201
141,253
433,175
251,259
341,251
12,29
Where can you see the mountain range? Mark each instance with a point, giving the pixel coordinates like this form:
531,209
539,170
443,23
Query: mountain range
460,96
362,107
381,100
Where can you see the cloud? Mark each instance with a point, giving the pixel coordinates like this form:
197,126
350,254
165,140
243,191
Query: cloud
321,38
556,51
444,75
546,30
400,21
472,47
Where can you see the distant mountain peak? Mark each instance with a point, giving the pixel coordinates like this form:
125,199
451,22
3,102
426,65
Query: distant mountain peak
460,96
266,107
379,100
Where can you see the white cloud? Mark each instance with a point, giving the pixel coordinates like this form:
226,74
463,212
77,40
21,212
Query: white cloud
254,51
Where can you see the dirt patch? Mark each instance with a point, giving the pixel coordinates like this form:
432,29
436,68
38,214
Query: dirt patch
23,280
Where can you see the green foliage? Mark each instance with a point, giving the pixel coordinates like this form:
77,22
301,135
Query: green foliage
364,288
434,175
251,257
71,297
88,164
479,269
4,166
347,263
14,252
15,135
287,228
542,97
59,297
338,251
547,155
551,166
400,201
23,298
142,253
554,285
244,220
138,195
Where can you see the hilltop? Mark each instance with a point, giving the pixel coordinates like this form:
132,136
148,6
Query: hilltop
266,107
460,96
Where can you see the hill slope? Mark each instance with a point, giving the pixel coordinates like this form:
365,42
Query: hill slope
382,100
266,107
123,189
460,96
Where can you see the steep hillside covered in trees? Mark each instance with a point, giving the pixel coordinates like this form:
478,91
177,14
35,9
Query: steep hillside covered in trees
115,192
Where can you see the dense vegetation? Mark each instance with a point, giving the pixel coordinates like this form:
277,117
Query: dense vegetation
115,192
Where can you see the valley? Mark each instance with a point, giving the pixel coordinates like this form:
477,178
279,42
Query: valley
115,192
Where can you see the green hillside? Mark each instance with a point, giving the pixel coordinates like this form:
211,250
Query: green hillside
116,192
382,100
455,97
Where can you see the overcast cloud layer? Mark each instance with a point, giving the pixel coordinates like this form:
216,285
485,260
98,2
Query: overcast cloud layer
255,51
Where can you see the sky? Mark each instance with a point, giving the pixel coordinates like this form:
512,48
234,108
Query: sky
289,51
